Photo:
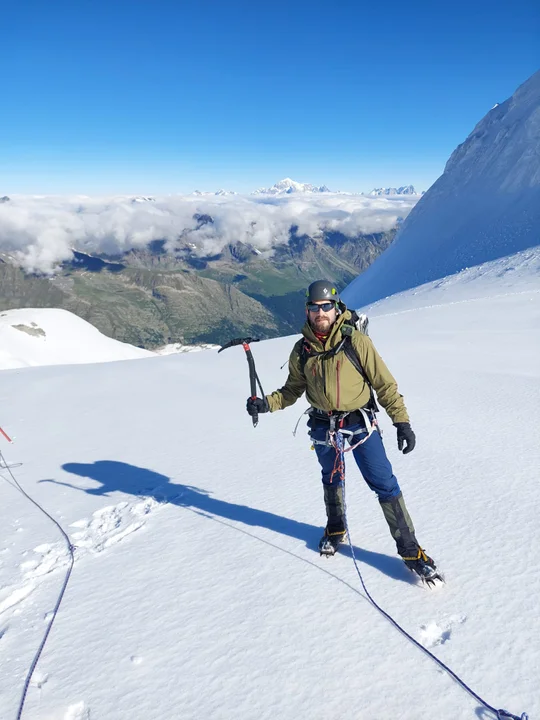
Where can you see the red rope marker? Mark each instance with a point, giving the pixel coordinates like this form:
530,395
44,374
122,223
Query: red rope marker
6,435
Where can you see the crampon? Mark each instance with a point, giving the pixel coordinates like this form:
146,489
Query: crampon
425,568
329,543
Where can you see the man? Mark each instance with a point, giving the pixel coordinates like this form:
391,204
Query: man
336,365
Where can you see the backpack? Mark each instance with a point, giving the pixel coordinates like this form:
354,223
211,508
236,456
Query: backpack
357,322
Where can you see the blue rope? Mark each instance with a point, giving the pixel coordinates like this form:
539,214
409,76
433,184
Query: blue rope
71,549
499,714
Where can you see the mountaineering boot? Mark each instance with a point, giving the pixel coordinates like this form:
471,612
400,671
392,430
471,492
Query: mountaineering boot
334,533
331,540
402,530
423,566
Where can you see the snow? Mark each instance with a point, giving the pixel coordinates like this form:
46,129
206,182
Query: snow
50,336
485,206
198,591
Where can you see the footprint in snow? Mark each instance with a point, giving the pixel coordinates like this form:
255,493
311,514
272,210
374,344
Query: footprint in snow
12,596
78,711
46,558
111,524
107,526
39,679
437,633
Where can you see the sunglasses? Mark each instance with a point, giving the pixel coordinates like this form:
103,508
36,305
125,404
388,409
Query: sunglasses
325,307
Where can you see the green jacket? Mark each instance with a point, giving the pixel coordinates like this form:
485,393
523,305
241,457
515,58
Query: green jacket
333,383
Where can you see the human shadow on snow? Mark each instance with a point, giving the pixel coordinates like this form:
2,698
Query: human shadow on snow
114,476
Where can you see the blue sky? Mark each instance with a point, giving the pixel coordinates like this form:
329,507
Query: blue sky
102,96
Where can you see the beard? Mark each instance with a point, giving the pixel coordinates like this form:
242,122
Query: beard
321,324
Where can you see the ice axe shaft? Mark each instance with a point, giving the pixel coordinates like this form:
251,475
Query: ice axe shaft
253,377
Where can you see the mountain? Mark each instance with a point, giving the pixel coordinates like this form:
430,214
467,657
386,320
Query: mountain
404,190
486,205
175,269
288,187
150,297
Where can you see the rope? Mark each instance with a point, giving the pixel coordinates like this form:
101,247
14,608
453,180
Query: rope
499,714
71,549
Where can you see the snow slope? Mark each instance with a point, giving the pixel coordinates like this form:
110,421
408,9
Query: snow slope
486,205
44,336
198,591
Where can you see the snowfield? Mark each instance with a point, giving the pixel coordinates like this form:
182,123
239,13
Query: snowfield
44,336
198,591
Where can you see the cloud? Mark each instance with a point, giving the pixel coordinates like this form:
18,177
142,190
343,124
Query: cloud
39,232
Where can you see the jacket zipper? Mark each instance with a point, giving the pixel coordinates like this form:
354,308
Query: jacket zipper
337,379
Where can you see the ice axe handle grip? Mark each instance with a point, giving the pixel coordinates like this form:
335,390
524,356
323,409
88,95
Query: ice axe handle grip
255,416
252,378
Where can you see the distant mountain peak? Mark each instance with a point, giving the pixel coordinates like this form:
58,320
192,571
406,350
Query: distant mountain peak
403,190
287,186
218,192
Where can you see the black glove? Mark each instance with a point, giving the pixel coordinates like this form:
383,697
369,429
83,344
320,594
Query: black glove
405,435
257,405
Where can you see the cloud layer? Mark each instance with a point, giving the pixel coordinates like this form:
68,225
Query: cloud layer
40,232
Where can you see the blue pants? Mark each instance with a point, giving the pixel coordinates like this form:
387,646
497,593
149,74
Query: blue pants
370,458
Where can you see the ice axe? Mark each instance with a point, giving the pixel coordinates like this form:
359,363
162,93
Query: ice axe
253,377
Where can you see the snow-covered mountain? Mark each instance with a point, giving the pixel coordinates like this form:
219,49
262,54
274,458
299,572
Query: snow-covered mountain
403,190
221,192
288,187
486,205
44,336
142,199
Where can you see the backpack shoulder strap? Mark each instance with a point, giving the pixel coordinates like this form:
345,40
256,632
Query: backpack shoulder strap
304,351
352,355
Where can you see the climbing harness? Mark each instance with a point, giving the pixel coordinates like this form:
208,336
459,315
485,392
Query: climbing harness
335,422
56,608
339,467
